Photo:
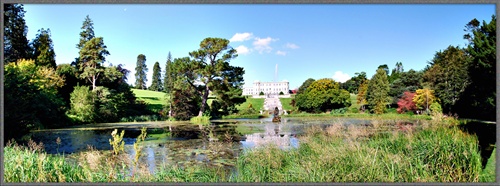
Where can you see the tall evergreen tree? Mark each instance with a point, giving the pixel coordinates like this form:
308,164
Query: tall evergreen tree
140,72
156,84
16,45
44,49
479,98
92,56
378,92
86,34
168,77
448,76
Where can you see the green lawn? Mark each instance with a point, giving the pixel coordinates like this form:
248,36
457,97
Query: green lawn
285,102
257,104
155,100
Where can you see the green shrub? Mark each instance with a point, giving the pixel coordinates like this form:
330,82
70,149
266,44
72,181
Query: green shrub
83,104
261,93
281,93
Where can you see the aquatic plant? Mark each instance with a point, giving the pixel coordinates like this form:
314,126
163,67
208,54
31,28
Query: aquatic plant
117,143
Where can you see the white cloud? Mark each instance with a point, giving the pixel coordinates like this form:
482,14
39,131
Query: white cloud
242,49
279,52
241,37
292,46
262,44
339,76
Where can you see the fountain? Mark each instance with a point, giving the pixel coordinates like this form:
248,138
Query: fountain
276,117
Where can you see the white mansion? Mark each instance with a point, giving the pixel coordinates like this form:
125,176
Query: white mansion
268,88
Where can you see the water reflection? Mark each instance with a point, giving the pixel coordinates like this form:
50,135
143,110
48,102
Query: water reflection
218,144
273,134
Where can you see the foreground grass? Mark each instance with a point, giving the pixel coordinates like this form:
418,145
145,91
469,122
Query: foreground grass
361,115
488,174
433,153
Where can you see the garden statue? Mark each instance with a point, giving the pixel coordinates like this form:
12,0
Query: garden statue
276,117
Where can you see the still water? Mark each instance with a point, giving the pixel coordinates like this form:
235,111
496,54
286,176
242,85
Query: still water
184,144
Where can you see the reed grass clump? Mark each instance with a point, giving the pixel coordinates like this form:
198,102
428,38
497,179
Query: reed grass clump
200,120
352,154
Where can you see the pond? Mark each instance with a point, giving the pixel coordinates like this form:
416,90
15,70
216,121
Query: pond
184,144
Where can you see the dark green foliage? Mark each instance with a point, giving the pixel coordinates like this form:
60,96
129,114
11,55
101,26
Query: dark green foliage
323,95
408,81
87,32
210,68
228,92
396,72
83,104
92,57
479,98
31,98
447,75
304,85
86,35
168,78
16,45
185,103
261,93
140,72
69,73
353,84
156,84
377,94
385,68
281,93
44,54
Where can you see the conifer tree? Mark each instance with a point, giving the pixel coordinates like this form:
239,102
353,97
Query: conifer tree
378,91
156,84
140,72
44,50
16,45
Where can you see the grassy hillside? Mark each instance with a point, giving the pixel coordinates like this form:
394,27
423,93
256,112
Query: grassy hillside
257,104
285,103
155,100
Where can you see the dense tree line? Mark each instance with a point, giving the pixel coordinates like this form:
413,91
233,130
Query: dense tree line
41,94
457,81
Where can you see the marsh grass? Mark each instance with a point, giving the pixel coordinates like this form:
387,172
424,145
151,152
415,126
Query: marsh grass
359,154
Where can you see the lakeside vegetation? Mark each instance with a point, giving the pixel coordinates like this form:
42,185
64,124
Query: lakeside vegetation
430,152
41,94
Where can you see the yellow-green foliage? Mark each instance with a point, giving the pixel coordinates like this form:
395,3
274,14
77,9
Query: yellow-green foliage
321,95
137,148
117,143
200,120
363,87
378,92
424,98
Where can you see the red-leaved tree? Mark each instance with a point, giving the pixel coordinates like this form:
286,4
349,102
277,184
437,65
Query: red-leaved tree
406,103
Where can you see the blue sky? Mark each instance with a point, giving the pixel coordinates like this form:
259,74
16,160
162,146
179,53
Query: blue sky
305,41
